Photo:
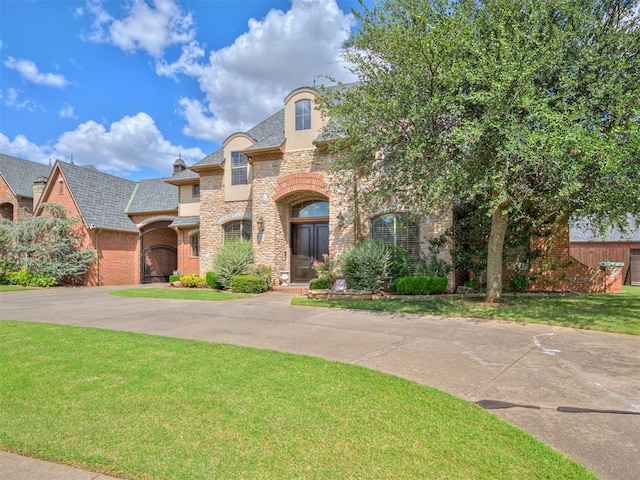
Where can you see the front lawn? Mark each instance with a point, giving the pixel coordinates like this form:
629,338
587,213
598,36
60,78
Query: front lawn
179,293
140,406
618,312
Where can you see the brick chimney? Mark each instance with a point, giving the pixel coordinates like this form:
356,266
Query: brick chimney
38,188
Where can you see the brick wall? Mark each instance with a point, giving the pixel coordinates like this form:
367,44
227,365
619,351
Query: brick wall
13,208
187,263
558,271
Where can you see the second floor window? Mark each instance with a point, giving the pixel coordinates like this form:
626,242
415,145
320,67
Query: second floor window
303,115
238,169
196,190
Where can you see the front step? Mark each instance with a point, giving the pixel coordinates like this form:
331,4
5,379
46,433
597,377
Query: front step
292,288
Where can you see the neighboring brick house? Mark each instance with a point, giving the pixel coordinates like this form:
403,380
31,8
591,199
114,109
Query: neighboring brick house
272,185
21,182
591,248
126,222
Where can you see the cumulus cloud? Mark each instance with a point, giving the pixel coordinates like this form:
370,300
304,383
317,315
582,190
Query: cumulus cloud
247,81
21,147
147,27
125,146
29,71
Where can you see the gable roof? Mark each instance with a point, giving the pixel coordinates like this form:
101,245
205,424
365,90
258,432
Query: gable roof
20,174
101,198
269,133
154,195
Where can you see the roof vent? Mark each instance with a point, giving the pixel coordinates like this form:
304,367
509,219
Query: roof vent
179,165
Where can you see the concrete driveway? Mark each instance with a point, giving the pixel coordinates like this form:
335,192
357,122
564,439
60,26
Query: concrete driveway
524,364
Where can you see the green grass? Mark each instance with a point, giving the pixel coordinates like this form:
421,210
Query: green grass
179,293
618,312
14,288
139,406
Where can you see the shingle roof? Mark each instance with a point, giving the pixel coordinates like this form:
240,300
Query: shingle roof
215,158
580,232
183,175
20,174
153,195
186,221
101,198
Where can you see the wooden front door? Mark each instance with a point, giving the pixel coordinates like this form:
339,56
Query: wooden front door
309,241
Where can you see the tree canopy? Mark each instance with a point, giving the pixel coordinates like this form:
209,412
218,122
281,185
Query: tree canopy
533,106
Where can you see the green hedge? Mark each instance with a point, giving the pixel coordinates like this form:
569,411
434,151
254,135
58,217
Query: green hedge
27,278
249,284
174,278
211,280
421,285
319,284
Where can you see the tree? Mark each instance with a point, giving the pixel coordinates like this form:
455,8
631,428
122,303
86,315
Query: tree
48,245
532,105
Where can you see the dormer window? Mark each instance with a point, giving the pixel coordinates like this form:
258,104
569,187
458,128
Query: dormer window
238,169
303,115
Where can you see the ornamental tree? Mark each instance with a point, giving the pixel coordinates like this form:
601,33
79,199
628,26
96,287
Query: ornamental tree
533,106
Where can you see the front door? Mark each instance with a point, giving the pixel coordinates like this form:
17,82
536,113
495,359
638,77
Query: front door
309,241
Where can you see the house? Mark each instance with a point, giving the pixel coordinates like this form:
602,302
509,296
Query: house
21,182
616,245
125,222
272,185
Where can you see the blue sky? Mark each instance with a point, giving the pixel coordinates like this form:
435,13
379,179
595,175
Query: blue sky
128,85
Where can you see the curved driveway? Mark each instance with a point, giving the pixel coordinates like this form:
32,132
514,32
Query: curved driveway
524,364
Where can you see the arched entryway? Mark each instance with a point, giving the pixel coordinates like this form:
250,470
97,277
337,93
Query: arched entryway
309,221
158,252
6,211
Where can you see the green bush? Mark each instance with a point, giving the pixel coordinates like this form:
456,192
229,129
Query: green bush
27,278
366,266
264,271
319,284
211,280
234,258
249,284
174,278
193,281
421,285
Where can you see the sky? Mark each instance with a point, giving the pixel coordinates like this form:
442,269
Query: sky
129,85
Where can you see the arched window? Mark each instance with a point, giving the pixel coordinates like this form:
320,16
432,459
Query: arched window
400,230
238,230
303,115
310,209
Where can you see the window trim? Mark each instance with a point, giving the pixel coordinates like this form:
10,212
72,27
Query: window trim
303,118
235,157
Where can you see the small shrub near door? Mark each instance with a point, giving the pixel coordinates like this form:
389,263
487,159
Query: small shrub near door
193,281
249,284
319,284
211,280
421,285
367,266
235,258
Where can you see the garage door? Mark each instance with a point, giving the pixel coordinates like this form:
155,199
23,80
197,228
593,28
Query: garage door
634,267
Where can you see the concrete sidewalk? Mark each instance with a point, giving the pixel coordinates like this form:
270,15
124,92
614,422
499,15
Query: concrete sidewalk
539,365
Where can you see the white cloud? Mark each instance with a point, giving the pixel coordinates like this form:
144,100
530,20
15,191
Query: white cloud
67,111
30,72
247,81
13,99
147,27
21,147
125,146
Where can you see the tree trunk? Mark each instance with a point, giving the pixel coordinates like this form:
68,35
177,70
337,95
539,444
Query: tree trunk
499,221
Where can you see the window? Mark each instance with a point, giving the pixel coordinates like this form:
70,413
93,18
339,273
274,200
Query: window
310,209
196,190
303,115
400,230
238,169
194,240
238,230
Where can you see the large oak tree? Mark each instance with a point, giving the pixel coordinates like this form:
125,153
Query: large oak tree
533,105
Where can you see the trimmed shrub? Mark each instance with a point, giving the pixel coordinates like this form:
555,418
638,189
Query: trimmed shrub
174,278
27,278
249,284
193,281
366,266
421,285
234,258
319,284
211,280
